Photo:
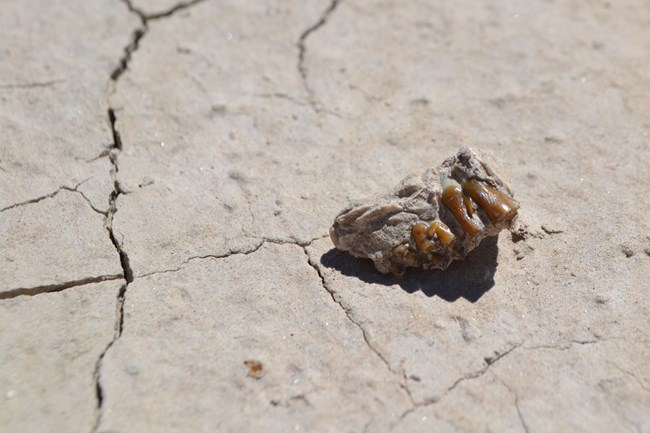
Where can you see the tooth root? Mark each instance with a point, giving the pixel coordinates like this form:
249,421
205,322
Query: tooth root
438,228
498,206
437,260
452,197
397,264
397,269
402,257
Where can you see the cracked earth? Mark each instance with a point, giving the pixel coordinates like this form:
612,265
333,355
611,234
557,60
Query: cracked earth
169,171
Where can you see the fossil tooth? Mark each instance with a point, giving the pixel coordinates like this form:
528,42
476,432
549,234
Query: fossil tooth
419,236
453,198
497,205
428,220
440,230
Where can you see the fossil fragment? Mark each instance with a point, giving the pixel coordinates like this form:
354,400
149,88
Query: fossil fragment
429,220
255,368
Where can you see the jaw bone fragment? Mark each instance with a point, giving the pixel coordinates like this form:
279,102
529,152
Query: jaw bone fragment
429,220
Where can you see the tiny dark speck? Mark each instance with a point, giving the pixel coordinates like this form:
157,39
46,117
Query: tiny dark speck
422,102
237,176
627,250
219,109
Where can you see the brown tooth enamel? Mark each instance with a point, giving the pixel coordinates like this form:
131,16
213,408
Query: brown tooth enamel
419,235
438,228
497,206
452,197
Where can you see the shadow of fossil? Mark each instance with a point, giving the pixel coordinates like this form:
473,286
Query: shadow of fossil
469,278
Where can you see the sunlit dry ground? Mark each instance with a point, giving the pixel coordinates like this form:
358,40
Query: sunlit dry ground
169,172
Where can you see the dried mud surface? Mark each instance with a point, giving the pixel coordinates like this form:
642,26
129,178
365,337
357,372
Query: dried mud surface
169,172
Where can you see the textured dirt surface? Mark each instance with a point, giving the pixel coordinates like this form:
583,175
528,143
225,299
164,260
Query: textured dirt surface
169,172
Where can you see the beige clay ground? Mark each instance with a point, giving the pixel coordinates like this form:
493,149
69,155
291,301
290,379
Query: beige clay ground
218,139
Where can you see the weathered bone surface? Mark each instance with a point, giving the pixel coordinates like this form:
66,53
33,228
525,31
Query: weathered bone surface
429,220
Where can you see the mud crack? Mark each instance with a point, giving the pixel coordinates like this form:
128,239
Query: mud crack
154,16
118,328
348,313
252,250
52,288
570,344
31,85
113,154
140,32
489,362
302,52
517,407
127,272
74,189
